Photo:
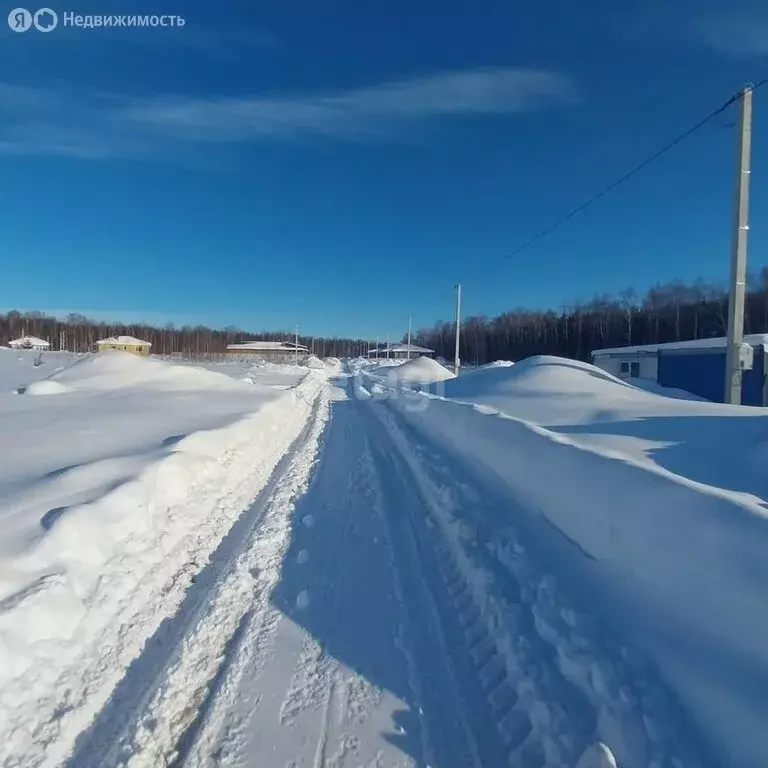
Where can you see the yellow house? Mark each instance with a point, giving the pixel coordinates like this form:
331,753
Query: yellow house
124,343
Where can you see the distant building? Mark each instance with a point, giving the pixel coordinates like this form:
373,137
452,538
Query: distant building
695,366
401,352
29,342
270,351
124,343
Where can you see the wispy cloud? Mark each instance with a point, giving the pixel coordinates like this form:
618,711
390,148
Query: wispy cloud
360,112
63,121
736,32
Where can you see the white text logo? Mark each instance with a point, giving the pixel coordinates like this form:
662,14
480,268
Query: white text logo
46,20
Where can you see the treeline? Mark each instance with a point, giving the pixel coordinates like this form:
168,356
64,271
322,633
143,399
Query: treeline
668,312
77,333
671,312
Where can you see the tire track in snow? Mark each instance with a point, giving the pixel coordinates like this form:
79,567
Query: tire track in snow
317,702
447,735
482,694
323,737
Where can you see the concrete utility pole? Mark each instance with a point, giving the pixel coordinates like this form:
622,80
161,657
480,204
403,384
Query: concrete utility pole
456,359
739,253
297,345
377,347
408,350
387,346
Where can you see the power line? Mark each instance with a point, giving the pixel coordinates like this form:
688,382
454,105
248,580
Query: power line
655,156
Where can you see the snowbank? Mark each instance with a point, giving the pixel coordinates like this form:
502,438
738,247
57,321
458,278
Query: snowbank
313,362
421,370
497,364
382,363
716,444
121,483
112,370
550,390
647,385
274,375
44,387
678,566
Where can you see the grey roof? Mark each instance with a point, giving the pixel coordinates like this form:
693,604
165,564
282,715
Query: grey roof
755,339
401,348
277,346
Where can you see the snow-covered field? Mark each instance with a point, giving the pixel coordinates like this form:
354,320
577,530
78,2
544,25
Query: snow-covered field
122,476
361,564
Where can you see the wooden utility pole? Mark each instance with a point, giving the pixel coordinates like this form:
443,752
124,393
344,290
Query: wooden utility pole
739,252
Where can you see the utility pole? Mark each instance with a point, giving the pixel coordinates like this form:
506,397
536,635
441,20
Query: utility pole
456,359
377,347
739,252
387,346
297,345
408,350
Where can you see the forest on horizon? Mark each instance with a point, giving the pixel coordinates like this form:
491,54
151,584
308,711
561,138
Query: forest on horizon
671,311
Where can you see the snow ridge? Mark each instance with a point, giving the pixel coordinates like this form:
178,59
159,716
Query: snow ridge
148,720
182,506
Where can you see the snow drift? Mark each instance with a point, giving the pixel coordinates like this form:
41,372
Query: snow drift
677,565
313,362
421,370
122,482
716,444
552,391
113,369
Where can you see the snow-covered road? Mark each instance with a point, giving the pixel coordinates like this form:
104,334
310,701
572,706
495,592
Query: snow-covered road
375,608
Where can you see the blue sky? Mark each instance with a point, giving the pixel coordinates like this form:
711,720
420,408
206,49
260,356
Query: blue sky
340,164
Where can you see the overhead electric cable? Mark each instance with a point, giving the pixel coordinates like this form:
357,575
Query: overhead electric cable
655,156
